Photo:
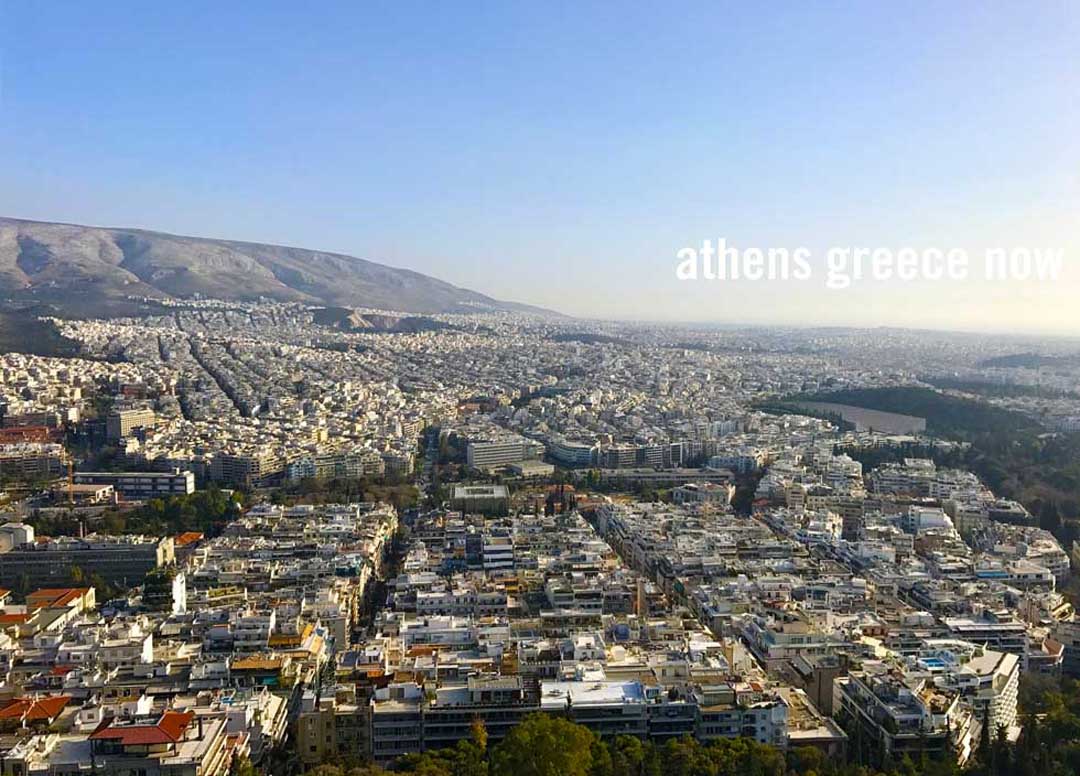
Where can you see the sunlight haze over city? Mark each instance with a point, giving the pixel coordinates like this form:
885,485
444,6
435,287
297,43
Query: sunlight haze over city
562,154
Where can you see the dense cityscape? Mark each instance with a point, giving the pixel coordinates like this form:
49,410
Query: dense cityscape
236,537
539,389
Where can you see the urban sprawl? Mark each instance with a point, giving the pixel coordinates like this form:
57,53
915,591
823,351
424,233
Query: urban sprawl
622,525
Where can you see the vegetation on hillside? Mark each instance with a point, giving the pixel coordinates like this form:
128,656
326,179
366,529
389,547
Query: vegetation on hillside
589,338
21,331
947,415
998,390
1025,361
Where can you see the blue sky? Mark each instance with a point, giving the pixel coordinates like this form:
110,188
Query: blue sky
561,154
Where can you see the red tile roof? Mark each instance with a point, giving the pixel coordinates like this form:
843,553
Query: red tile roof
31,709
187,538
174,723
67,599
168,730
56,592
55,597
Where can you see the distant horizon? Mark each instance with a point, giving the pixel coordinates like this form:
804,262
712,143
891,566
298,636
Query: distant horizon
687,322
563,159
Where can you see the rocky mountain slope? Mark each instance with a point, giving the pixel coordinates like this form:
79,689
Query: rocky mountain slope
66,263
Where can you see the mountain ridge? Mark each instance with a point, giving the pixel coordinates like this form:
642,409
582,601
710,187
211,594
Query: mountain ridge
46,261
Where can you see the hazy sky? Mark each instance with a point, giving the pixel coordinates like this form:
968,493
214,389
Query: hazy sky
561,154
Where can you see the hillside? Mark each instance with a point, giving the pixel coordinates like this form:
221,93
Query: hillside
21,331
351,320
92,268
944,414
1025,361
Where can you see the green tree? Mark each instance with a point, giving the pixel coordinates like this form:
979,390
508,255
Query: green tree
470,755
440,763
804,759
103,591
543,745
984,754
1050,517
627,756
242,766
329,769
601,759
478,734
326,770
